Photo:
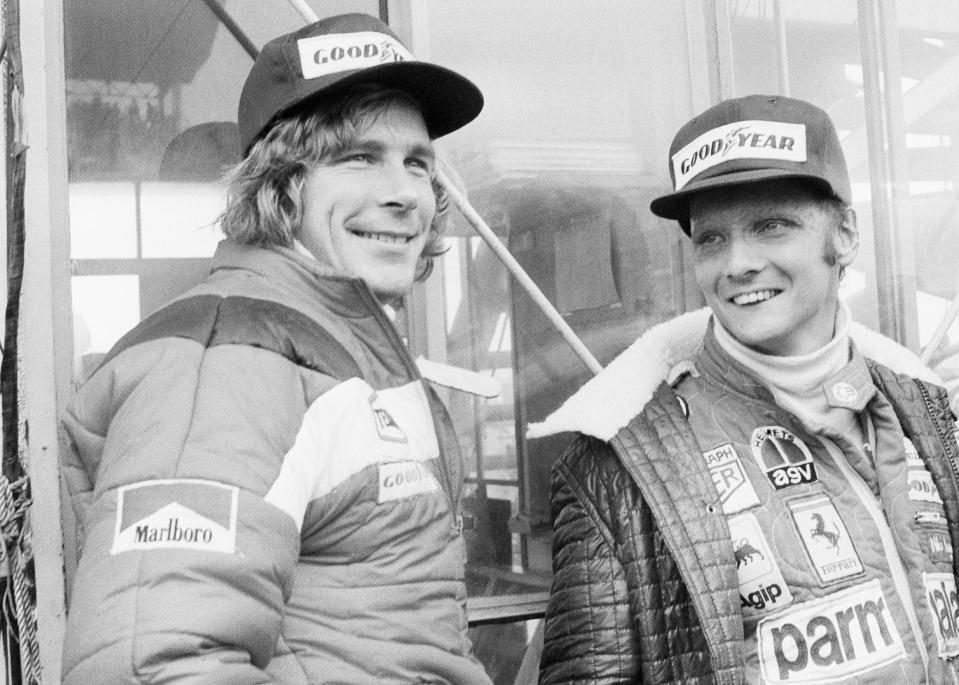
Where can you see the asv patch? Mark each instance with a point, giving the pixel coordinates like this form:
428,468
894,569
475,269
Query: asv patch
842,635
185,514
921,487
761,583
825,537
399,480
784,457
944,607
386,426
736,492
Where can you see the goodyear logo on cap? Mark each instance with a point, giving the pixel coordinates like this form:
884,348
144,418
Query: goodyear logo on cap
324,55
741,140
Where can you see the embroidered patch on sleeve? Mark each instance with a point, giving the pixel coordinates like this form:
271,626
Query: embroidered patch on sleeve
185,514
761,583
404,479
827,640
736,491
825,537
944,607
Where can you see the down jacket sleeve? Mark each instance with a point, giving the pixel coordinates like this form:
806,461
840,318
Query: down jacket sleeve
588,635
185,564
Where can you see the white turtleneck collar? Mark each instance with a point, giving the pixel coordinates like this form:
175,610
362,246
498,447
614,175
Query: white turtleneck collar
801,383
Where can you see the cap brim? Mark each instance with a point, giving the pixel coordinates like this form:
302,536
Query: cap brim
676,205
448,101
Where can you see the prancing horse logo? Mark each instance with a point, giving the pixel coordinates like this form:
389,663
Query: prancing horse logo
830,536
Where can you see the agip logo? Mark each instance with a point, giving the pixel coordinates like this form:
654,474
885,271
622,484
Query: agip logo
761,583
785,458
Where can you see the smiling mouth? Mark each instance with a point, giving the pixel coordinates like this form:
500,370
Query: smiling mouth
754,297
390,238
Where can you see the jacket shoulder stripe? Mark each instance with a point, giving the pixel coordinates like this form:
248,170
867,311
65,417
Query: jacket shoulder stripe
213,320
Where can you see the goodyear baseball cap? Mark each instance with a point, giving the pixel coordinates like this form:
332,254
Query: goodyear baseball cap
298,69
750,139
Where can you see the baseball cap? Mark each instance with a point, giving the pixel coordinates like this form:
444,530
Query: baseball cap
328,56
750,139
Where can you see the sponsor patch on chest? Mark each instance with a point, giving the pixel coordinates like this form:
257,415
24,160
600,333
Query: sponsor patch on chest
824,535
399,480
386,426
185,514
921,487
783,457
843,635
761,583
944,607
736,492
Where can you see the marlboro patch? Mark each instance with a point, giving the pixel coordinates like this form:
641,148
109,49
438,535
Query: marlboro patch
184,514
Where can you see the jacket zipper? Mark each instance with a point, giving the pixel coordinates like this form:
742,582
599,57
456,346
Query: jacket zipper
896,568
944,439
452,494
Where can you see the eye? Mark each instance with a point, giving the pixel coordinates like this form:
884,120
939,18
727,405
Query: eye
707,239
771,226
419,163
358,157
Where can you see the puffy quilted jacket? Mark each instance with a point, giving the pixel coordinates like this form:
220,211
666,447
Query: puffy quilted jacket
266,492
645,586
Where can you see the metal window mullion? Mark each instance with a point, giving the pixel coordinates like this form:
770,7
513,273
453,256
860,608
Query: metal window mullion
888,172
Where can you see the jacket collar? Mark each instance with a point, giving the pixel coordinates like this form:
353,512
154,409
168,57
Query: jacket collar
609,400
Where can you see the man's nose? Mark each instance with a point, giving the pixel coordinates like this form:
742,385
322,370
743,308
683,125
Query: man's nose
398,188
743,258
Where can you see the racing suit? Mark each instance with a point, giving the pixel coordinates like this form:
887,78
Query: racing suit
266,491
704,534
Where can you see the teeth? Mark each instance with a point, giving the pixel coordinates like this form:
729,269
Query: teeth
386,237
754,297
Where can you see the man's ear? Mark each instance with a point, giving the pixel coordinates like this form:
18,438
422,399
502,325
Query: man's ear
846,238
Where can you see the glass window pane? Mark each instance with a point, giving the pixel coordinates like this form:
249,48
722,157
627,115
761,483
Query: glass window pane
562,164
104,308
179,219
928,34
103,220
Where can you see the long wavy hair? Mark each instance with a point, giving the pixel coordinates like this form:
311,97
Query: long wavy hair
264,204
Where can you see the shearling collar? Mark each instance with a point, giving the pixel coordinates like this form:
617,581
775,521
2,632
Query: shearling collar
608,401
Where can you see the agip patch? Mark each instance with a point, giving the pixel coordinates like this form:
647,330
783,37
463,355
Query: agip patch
184,514
736,491
761,583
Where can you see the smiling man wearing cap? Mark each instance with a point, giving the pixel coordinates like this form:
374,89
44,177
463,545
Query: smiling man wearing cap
267,489
764,491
